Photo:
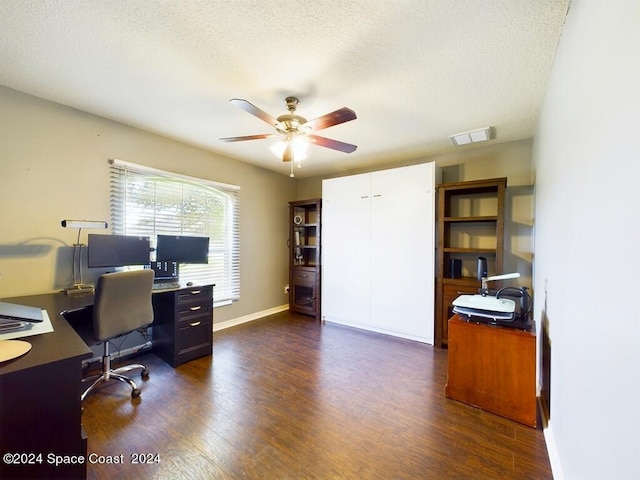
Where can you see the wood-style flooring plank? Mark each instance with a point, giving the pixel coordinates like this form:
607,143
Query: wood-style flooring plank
286,397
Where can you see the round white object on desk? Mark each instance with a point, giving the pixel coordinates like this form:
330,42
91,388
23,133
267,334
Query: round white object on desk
10,349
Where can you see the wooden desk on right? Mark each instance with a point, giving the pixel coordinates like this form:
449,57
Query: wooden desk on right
493,368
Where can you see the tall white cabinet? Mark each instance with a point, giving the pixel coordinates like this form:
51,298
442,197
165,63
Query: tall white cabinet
378,240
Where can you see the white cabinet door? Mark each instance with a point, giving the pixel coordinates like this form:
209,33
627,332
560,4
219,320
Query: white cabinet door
402,251
346,260
378,251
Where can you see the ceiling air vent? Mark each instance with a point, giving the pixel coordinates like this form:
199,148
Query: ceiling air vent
474,136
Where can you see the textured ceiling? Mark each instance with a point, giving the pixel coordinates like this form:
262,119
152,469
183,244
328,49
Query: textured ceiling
414,71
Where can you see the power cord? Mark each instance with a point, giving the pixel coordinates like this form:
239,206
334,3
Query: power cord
518,293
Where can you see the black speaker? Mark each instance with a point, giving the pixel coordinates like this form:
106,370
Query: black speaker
482,268
455,268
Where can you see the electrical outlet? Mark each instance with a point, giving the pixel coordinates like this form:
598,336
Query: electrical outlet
286,289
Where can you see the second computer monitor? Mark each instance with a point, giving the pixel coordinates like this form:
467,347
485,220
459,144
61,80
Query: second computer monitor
182,249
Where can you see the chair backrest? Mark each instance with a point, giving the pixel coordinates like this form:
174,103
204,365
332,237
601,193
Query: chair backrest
122,303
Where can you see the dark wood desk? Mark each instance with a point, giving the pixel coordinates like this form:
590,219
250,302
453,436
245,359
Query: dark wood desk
493,368
40,409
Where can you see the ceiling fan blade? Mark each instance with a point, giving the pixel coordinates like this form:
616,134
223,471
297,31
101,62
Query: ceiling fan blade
249,137
330,119
333,144
253,110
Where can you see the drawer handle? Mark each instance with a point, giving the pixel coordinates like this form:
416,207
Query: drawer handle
304,276
195,292
197,307
195,324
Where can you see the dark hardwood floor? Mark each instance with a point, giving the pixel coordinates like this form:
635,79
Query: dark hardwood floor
286,397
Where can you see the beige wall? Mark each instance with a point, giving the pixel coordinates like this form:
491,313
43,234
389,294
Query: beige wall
53,166
511,160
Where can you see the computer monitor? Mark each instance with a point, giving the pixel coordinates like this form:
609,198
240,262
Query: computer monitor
117,250
182,249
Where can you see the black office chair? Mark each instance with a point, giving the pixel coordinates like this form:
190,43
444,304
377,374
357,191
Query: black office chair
122,304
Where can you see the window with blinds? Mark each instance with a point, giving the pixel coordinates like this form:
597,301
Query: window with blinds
150,202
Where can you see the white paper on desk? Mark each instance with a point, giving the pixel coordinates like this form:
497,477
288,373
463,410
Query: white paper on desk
36,329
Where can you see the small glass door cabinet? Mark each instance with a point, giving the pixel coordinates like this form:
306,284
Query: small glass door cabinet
304,256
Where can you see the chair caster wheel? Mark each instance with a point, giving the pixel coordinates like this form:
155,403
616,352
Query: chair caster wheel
144,374
135,393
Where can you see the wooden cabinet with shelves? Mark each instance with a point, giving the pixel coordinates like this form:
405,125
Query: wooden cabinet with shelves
304,256
470,224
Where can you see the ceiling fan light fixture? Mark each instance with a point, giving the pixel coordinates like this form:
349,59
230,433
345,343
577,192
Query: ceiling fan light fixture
287,155
473,136
294,149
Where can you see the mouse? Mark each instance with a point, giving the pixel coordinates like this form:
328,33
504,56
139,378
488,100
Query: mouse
189,284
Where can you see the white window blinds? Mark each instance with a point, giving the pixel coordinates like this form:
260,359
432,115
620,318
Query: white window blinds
150,202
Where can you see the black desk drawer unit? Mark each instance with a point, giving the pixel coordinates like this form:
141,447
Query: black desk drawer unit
183,324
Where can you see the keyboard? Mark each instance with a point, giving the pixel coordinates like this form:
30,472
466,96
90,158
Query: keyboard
11,325
165,285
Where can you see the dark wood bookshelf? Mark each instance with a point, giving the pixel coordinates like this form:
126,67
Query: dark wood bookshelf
466,211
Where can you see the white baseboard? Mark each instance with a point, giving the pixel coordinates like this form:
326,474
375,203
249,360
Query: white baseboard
385,331
248,318
554,457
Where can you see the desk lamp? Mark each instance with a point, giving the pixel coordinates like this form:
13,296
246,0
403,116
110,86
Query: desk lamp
78,285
